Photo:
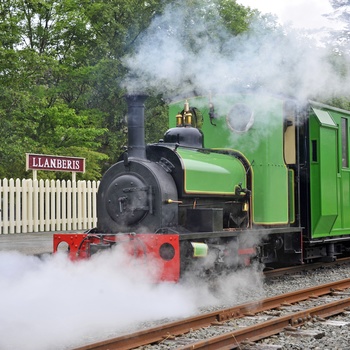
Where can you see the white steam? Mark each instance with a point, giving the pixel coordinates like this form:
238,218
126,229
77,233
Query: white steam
58,304
183,51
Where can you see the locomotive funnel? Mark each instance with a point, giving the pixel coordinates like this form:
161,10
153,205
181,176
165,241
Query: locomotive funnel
136,125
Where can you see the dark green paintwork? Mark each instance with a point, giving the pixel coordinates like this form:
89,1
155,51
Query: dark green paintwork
291,186
329,180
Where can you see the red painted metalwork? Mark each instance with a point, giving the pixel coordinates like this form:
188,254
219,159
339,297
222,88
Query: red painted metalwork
246,254
247,251
77,248
143,246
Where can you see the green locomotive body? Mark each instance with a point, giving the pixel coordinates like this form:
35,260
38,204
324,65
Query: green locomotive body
299,164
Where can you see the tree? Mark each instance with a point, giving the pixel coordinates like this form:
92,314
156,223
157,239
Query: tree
62,74
39,63
117,25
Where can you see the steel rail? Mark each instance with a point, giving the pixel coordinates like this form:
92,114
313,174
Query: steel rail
171,329
232,340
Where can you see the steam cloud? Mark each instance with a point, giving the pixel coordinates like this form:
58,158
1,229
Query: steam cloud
268,57
58,304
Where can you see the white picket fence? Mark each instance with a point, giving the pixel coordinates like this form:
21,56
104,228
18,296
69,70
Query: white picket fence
37,205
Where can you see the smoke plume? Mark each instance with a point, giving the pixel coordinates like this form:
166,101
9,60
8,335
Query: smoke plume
188,49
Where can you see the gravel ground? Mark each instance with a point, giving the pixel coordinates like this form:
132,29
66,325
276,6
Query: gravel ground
332,334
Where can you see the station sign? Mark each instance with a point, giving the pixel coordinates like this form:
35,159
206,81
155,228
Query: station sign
54,163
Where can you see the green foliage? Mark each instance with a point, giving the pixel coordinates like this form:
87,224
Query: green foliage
61,76
156,116
235,17
339,99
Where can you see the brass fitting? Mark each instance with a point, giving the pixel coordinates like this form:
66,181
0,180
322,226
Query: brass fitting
245,206
178,119
188,118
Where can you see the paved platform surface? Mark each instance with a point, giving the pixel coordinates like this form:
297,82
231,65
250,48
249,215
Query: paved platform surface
28,243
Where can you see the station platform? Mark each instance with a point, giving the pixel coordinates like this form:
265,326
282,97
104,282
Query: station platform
29,243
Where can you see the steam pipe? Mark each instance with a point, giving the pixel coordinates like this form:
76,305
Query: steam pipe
136,125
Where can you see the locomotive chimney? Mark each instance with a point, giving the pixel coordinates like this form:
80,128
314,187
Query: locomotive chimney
136,125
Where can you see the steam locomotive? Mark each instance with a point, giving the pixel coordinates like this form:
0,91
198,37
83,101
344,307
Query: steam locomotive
237,178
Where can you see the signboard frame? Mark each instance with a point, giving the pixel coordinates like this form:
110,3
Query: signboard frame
46,162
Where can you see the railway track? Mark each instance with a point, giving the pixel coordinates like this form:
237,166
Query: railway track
221,327
302,268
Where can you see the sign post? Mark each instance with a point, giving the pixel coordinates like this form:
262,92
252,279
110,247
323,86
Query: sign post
37,162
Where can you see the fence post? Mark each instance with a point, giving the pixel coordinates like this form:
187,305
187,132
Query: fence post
42,205
12,206
27,206
52,212
63,205
69,205
17,208
5,206
74,205
35,209
58,218
89,203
